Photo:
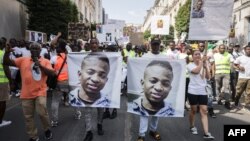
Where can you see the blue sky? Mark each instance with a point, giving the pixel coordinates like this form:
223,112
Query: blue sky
132,11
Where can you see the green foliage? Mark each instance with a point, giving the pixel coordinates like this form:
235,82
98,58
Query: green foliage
170,37
51,16
182,18
146,34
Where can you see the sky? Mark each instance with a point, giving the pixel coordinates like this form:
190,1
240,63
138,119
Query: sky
132,11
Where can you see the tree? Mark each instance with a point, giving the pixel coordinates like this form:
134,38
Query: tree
51,16
146,34
170,37
182,19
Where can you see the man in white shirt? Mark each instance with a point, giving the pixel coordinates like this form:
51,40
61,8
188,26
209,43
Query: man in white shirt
242,64
172,52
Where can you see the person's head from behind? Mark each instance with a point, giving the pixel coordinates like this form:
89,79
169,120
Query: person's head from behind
35,50
158,77
12,42
94,44
94,73
61,47
129,46
2,44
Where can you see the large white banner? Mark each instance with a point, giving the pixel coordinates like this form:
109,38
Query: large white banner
160,25
156,87
210,19
96,78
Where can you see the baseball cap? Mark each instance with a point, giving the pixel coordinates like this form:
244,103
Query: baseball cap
156,40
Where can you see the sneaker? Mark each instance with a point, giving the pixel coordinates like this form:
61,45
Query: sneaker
114,114
99,129
141,138
54,123
228,105
37,139
106,114
155,135
194,130
208,136
5,123
48,134
89,136
220,102
211,113
18,94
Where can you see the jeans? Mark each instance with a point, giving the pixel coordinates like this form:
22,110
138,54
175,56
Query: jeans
144,124
88,117
223,86
62,87
37,104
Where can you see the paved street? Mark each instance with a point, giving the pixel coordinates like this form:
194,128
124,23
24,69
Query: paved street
123,128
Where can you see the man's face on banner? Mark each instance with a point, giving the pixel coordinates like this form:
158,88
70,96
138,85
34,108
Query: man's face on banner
94,75
157,83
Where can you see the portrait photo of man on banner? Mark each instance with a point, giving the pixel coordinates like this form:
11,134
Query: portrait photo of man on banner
160,25
94,78
210,19
156,87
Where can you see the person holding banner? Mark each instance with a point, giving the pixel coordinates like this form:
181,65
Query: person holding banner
197,95
153,103
102,64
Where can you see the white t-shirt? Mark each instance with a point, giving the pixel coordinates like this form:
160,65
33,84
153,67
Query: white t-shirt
151,55
197,85
25,52
43,52
244,61
172,54
53,60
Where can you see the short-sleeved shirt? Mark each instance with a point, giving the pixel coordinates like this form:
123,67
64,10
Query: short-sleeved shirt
244,61
32,88
197,85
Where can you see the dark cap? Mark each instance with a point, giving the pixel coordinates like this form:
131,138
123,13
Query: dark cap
236,45
156,40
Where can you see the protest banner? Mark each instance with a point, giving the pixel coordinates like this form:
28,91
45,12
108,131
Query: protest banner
78,31
210,19
96,78
160,25
35,36
157,81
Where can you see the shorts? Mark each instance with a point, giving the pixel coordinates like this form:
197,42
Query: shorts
197,99
4,92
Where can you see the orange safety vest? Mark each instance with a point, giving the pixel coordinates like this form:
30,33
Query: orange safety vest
64,73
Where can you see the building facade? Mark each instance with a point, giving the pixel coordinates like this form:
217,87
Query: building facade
241,21
13,19
89,10
163,7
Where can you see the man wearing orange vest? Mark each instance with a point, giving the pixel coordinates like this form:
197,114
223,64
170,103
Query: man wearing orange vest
62,80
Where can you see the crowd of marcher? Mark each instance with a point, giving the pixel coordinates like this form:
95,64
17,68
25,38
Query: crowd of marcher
220,74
